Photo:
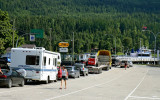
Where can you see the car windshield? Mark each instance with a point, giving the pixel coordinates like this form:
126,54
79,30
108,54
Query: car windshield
79,66
123,61
69,68
92,56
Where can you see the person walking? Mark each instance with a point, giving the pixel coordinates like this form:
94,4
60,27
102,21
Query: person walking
125,65
64,77
1,71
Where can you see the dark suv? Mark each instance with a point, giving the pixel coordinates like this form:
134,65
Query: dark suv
116,62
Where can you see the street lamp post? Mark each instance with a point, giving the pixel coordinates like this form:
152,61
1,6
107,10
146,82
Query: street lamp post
155,37
115,41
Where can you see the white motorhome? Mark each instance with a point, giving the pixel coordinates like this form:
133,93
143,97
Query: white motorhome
58,58
39,64
84,57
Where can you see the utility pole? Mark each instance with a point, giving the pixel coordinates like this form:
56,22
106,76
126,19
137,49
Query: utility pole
13,33
50,47
73,49
115,45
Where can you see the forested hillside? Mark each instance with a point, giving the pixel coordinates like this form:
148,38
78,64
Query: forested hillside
52,7
90,20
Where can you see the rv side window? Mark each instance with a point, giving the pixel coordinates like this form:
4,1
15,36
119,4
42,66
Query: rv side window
44,61
49,61
32,60
81,56
58,57
55,62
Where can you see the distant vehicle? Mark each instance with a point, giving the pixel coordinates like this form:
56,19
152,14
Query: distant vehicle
60,73
73,71
115,62
83,69
39,64
10,76
123,63
93,61
130,63
83,58
102,60
67,63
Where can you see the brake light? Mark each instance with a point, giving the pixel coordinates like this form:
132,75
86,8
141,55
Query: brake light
3,76
37,71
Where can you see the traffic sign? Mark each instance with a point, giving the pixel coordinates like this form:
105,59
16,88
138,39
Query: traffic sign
63,49
32,37
63,44
38,31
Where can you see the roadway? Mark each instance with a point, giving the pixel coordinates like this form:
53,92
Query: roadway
136,83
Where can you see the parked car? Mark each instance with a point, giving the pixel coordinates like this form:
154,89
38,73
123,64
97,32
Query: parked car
130,63
123,63
116,62
73,71
10,76
60,73
83,69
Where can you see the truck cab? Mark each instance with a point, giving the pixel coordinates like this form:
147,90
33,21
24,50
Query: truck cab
92,60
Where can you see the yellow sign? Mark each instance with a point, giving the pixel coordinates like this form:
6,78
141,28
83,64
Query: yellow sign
63,44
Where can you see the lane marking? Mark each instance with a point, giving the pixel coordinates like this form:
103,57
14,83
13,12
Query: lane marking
152,98
129,95
28,87
86,88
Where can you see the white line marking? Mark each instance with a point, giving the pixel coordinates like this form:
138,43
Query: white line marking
137,86
85,88
28,87
145,97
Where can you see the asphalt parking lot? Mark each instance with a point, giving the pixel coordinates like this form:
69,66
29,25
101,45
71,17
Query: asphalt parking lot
136,83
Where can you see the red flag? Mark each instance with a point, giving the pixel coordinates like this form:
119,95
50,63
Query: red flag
144,28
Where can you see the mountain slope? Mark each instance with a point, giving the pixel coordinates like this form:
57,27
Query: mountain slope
51,7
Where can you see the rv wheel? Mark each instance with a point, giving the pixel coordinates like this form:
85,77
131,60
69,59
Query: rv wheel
56,78
47,81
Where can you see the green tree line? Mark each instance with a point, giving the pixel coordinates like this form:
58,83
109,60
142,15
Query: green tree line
96,23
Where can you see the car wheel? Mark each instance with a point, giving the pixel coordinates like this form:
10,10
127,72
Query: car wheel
79,76
9,85
86,74
22,83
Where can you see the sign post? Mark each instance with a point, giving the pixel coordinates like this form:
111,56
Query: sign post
32,37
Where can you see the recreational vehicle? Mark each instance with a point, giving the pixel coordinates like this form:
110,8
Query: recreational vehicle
39,64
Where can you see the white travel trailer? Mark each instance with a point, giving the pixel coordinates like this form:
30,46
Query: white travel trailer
39,64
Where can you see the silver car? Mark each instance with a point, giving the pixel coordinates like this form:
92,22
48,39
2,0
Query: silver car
73,71
83,69
130,63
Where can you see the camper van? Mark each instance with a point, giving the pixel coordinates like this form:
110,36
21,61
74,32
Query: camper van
38,63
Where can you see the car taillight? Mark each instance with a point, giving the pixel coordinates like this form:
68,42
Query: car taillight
3,76
37,71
